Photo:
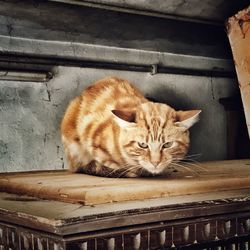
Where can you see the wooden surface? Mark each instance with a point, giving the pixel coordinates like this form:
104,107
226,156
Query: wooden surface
67,218
90,190
239,37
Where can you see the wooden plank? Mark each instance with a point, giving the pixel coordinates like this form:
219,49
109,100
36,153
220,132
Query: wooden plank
89,190
239,36
66,218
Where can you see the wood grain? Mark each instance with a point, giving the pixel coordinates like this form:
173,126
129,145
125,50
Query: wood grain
238,28
89,190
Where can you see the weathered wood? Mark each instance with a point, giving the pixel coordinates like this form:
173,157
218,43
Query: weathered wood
65,218
239,36
181,220
89,190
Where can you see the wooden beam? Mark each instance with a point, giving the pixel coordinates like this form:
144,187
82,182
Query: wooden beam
91,190
238,27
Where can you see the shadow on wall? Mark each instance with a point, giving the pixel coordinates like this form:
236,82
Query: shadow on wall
179,91
169,96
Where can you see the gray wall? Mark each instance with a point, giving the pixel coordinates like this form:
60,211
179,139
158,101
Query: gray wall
30,113
63,39
103,27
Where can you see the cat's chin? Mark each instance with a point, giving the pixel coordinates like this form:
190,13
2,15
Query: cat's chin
156,172
146,173
153,170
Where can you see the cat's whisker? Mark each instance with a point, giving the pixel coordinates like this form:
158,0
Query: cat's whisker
141,171
193,155
183,158
191,162
201,169
190,159
119,169
195,164
128,170
185,167
110,173
124,173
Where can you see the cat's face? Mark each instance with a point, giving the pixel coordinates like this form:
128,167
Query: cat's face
155,136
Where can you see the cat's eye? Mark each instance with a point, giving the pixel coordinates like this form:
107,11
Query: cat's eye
168,144
143,145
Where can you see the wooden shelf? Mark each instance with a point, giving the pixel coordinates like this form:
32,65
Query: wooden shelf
137,212
90,190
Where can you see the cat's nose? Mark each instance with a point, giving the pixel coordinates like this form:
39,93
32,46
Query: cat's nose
155,163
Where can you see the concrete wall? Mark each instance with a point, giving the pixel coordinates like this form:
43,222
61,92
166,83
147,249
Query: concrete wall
64,39
214,11
78,24
30,113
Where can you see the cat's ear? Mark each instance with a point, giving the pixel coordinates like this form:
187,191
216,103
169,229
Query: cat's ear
187,119
124,118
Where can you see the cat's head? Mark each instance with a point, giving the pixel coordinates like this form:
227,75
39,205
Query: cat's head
154,135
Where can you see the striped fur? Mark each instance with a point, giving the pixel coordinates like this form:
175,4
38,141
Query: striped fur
112,130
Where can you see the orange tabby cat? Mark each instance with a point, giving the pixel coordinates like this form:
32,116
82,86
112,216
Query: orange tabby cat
112,130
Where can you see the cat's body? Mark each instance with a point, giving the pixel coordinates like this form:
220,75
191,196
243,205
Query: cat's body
112,130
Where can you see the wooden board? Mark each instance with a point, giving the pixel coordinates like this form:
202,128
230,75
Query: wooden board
89,190
238,28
